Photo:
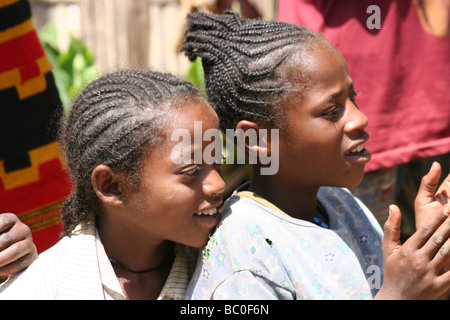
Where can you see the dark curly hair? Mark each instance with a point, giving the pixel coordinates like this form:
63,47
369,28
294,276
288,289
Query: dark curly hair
114,121
242,61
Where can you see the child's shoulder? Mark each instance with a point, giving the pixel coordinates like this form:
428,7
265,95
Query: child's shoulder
240,245
348,212
243,231
336,195
39,280
342,203
246,214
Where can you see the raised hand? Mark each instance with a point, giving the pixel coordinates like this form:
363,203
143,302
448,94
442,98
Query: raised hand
417,268
430,199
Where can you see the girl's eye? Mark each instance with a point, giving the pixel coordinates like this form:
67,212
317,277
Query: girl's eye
191,172
331,112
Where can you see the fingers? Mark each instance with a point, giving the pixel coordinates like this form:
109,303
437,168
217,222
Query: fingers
7,220
427,231
429,185
391,239
438,239
443,193
416,269
17,249
433,239
16,258
438,246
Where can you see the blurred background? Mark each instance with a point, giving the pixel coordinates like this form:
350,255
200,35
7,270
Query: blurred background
125,34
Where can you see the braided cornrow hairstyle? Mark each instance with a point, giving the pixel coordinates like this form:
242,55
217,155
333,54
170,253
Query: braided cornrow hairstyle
241,60
114,121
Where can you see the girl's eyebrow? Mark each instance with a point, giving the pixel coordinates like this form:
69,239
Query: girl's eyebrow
331,97
189,158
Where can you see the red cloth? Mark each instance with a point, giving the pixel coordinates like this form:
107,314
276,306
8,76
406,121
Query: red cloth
402,72
33,182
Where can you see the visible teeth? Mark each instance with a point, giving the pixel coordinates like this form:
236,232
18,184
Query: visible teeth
207,212
358,148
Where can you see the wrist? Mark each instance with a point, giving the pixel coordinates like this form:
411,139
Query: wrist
387,294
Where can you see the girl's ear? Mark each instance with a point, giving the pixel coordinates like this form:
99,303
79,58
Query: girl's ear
107,185
255,142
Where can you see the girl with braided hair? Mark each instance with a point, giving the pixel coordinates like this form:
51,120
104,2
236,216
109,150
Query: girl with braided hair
134,214
299,233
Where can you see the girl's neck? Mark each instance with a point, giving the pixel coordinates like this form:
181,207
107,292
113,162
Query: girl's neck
134,253
300,203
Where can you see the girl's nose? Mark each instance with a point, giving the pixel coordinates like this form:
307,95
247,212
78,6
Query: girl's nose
356,119
214,183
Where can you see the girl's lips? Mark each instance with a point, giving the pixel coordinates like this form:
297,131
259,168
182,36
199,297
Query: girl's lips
358,155
207,212
209,217
208,220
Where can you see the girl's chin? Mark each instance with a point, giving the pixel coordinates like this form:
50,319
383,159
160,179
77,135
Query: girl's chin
356,182
354,178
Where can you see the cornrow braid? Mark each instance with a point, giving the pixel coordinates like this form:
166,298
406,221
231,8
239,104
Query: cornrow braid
115,121
241,59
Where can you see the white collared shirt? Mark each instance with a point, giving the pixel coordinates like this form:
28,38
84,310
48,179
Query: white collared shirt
77,267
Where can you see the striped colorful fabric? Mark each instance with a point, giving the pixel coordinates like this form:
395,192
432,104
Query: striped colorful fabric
33,182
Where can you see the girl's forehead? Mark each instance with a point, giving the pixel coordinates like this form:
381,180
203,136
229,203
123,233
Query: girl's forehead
195,114
324,75
316,68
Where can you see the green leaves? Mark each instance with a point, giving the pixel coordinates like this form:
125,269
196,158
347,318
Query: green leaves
195,74
73,69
